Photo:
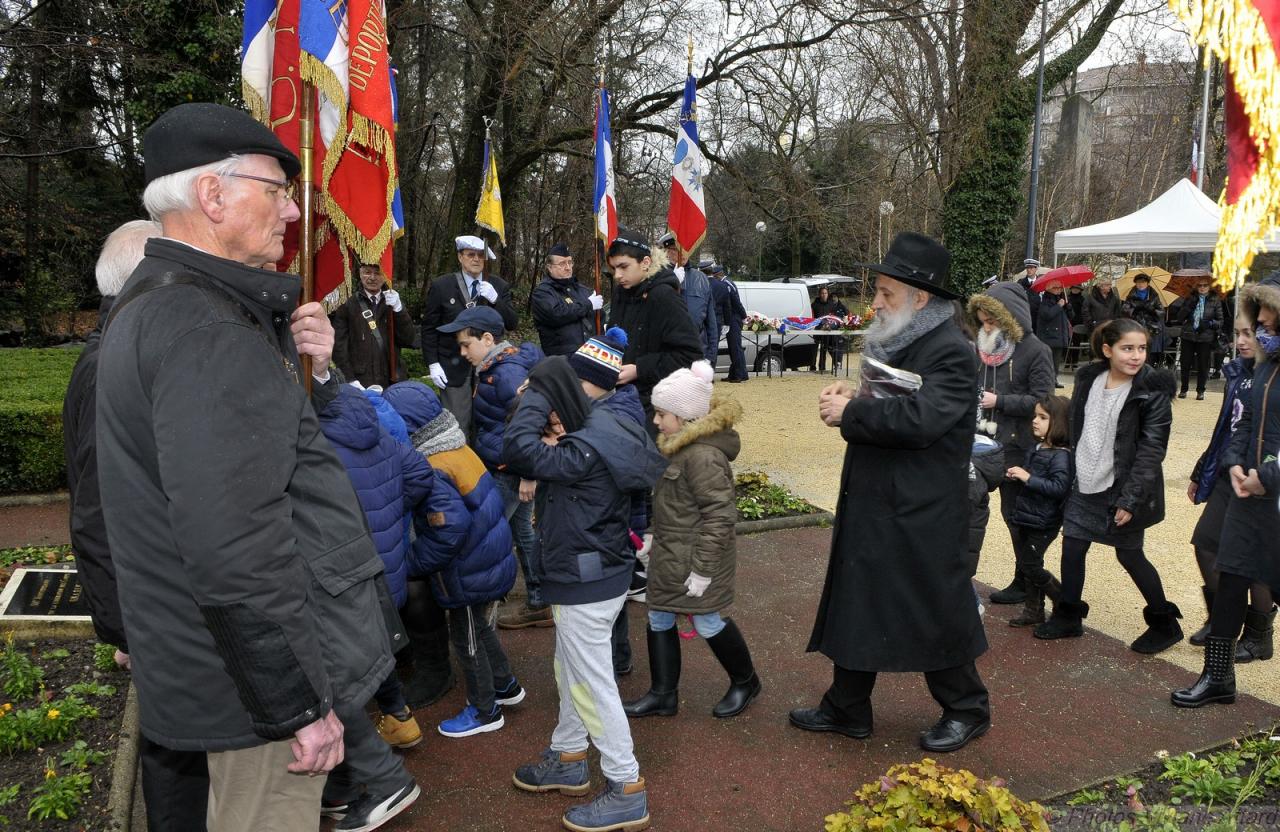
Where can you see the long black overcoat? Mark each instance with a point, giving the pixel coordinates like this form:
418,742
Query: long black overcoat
897,595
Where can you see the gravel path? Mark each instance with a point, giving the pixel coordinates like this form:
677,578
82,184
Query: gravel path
782,435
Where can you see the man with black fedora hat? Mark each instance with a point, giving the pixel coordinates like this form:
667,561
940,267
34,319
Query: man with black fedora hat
248,584
897,595
563,309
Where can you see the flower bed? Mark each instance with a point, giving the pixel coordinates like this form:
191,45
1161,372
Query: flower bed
759,499
60,708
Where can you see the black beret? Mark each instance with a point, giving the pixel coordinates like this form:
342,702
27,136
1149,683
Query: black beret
191,135
559,250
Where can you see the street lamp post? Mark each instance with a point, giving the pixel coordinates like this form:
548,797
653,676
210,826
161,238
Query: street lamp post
760,227
886,210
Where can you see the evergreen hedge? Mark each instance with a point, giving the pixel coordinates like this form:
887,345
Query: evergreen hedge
35,382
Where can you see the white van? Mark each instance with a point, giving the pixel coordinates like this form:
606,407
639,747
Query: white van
773,300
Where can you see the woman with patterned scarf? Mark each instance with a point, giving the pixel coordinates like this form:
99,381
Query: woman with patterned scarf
1015,371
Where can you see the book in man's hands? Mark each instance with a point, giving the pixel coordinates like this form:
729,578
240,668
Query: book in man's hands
880,381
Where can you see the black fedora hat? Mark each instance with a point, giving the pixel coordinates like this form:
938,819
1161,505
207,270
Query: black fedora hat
917,260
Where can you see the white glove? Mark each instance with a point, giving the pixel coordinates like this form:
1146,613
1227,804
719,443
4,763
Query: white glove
485,290
696,585
438,376
597,302
392,297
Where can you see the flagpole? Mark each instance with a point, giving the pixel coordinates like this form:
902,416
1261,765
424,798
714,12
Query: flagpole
598,243
306,236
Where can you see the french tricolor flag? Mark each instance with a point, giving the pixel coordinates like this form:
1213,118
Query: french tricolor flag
606,204
687,213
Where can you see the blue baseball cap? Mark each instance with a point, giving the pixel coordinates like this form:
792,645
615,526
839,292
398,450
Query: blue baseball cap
483,318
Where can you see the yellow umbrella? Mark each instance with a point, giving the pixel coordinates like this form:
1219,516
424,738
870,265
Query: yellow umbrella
1159,280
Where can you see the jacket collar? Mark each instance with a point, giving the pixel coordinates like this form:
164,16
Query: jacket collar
276,291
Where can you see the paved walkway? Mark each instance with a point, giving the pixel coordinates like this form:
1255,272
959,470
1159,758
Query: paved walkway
1066,714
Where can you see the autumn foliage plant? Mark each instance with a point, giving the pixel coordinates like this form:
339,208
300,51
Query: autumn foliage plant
926,795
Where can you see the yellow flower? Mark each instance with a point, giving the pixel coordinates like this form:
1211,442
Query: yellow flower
5,708
53,713
49,774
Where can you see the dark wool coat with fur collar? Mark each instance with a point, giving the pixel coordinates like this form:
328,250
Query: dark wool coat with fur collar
897,595
694,510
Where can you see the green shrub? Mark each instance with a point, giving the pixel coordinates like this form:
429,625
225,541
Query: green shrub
31,417
926,795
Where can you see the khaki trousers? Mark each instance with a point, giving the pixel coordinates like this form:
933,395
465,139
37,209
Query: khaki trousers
251,788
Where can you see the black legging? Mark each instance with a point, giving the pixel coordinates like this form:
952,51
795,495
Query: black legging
1260,596
1229,606
1196,352
1144,575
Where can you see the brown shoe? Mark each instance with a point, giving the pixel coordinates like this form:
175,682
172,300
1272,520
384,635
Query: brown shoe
527,616
399,733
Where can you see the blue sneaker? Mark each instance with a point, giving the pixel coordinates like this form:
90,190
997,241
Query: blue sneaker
621,807
471,721
562,771
512,694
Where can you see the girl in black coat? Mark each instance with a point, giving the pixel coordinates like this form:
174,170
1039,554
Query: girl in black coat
1037,513
1121,410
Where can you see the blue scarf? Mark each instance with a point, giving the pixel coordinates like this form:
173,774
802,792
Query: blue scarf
1199,313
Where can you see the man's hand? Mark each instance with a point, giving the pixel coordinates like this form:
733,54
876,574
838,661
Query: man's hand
1191,492
485,290
1017,472
832,401
392,297
1238,477
313,335
628,374
123,661
988,400
597,302
438,376
317,748
527,489
1123,517
1252,485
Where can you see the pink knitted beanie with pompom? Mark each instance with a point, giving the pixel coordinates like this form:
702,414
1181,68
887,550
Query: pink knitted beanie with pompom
686,392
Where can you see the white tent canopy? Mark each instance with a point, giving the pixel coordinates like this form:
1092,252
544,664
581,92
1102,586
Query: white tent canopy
1180,219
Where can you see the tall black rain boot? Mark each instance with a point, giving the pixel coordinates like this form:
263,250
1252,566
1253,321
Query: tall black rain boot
1198,637
1217,683
1162,629
730,649
1259,630
663,698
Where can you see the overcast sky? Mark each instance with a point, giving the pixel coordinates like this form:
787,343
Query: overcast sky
1149,25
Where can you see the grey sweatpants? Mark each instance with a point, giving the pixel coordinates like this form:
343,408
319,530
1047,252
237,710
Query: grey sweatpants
589,700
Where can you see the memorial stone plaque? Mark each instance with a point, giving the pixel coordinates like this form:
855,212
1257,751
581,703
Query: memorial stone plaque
44,595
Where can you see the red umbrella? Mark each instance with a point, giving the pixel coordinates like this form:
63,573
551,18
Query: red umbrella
1066,275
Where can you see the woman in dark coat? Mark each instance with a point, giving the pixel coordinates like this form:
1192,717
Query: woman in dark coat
1100,305
897,595
1201,319
1144,305
1053,324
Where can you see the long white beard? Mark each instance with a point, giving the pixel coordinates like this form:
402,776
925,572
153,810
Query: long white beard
988,341
887,324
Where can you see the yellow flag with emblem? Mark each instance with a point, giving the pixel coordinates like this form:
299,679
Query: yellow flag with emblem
489,211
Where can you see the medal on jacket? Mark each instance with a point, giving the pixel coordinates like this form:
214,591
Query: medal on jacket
368,317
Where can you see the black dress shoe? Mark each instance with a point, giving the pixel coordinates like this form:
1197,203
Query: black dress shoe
816,719
1200,396
952,734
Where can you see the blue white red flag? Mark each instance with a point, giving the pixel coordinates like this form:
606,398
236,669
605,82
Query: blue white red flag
686,212
606,204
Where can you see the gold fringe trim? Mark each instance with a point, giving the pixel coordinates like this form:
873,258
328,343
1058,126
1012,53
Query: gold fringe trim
369,134
313,69
257,107
1235,32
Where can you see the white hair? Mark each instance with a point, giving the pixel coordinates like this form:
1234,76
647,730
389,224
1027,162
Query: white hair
177,191
121,254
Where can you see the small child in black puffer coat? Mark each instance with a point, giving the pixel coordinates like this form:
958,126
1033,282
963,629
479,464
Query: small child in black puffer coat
1037,514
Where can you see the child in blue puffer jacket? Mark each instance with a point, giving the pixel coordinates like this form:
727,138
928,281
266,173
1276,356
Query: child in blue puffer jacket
464,548
501,368
390,481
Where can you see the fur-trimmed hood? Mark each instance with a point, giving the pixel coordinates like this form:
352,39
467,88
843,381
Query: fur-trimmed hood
716,428
1257,295
1007,304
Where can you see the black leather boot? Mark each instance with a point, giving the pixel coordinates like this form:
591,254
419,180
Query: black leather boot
1032,610
730,649
1256,643
1067,621
1198,637
1014,593
1162,629
663,698
1217,683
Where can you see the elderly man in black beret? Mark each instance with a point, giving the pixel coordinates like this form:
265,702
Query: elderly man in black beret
248,584
563,309
898,596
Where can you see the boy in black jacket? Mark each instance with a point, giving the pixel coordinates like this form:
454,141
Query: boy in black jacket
587,462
